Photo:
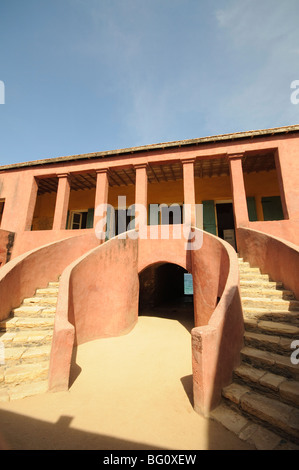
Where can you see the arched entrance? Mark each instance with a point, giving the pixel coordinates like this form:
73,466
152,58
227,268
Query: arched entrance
165,291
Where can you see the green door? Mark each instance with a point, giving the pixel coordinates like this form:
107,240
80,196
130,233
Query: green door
209,219
89,220
251,209
272,208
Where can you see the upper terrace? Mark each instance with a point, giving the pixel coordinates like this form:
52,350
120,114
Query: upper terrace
254,171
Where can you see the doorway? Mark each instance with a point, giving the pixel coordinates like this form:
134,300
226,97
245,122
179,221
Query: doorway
166,292
226,222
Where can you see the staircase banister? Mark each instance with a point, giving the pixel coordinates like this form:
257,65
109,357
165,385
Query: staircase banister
274,256
216,346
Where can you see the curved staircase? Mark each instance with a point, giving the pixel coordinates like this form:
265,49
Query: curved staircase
25,345
262,404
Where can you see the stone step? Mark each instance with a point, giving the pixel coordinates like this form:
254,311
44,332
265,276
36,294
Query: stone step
273,385
247,269
53,284
255,276
23,390
41,300
24,353
260,284
27,337
266,293
33,311
30,337
270,327
281,417
277,344
272,304
284,316
257,435
13,323
272,362
47,291
23,373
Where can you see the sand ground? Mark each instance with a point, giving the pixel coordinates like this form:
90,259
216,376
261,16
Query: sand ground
127,393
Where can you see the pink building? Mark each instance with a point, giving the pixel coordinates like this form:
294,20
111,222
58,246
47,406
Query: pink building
247,186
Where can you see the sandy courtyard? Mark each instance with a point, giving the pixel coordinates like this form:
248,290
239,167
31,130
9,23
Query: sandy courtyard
127,393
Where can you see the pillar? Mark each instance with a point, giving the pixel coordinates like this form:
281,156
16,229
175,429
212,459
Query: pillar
101,201
189,187
238,190
62,202
31,204
141,197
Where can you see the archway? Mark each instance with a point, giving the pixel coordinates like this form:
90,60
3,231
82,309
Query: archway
165,292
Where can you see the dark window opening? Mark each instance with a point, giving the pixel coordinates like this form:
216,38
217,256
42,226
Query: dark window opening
226,223
78,220
1,210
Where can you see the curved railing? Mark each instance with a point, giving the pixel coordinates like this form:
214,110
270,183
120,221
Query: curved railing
217,341
274,256
99,293
98,298
20,277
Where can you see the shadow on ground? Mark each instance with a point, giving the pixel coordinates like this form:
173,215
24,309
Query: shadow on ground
40,435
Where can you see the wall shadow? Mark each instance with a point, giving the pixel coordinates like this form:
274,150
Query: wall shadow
179,309
19,432
187,383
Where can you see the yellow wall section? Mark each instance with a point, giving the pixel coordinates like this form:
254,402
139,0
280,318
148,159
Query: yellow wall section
217,188
262,184
44,212
127,191
82,200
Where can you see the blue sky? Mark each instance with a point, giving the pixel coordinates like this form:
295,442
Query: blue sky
92,75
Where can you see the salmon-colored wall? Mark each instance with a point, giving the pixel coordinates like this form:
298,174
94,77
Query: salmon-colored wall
106,303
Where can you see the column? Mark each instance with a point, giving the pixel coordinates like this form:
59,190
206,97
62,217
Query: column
101,201
189,187
31,204
62,202
141,197
238,190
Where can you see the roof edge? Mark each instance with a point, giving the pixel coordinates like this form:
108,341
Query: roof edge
151,147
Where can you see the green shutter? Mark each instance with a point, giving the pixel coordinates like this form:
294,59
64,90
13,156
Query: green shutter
132,217
209,219
90,216
67,220
272,208
252,215
109,232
